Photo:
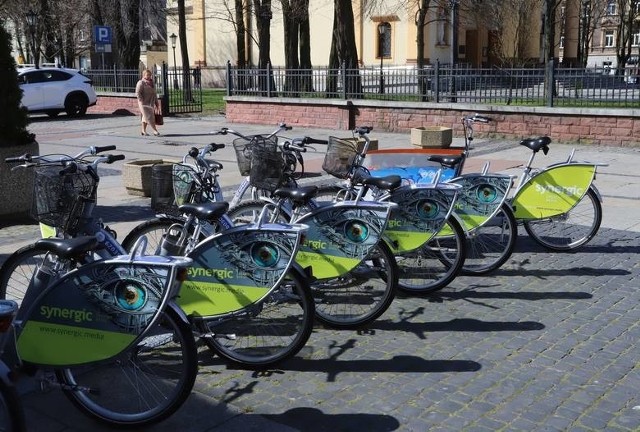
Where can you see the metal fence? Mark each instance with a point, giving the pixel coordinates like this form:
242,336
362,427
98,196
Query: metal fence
595,87
180,91
118,80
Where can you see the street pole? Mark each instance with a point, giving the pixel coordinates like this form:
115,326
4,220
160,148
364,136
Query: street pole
32,19
382,28
454,47
173,38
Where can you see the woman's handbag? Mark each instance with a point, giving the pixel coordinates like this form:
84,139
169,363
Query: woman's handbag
158,118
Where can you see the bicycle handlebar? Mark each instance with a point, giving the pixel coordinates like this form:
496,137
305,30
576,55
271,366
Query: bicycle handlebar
97,150
309,140
296,145
215,147
363,130
226,130
476,118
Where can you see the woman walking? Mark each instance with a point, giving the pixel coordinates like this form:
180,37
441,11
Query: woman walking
147,102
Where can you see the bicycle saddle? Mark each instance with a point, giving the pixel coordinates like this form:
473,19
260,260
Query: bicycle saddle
447,161
70,248
386,183
209,211
536,144
299,195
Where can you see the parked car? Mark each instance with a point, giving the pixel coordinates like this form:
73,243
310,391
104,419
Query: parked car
52,90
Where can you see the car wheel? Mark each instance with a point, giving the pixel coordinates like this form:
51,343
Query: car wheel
76,105
53,114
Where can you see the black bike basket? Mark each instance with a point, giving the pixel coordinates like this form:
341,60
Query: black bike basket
267,166
58,198
243,148
340,156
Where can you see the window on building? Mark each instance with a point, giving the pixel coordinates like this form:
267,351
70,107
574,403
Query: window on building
635,40
384,40
611,7
561,41
608,39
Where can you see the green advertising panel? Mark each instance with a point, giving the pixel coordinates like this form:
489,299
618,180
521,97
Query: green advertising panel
92,314
340,236
421,213
481,197
554,191
237,268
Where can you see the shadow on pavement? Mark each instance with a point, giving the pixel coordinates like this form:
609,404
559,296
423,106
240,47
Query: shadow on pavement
124,213
313,420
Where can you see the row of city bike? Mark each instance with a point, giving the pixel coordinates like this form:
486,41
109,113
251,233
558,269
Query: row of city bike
116,325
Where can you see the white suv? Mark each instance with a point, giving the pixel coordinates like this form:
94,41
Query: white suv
52,90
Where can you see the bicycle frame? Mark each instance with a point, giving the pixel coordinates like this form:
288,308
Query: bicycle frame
238,268
553,190
96,311
341,235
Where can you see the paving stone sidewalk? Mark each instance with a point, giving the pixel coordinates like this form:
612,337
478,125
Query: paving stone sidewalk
548,342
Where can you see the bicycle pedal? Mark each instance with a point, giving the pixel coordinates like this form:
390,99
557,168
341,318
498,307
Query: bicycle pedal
211,335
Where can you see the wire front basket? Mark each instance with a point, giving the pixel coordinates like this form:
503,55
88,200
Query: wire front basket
243,148
267,166
340,156
184,183
59,198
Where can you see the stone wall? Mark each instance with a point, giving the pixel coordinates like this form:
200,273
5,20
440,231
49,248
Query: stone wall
614,127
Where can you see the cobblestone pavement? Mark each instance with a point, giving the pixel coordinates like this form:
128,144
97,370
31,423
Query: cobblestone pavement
548,342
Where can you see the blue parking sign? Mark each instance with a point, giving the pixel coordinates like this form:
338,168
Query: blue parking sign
102,34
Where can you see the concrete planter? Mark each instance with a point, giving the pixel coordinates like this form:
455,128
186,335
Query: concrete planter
373,143
137,175
432,137
17,185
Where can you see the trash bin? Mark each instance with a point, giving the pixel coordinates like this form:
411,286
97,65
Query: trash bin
162,198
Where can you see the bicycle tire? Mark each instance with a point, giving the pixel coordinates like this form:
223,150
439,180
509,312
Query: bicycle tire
353,299
360,296
269,332
143,385
16,272
153,229
489,246
12,417
434,265
570,230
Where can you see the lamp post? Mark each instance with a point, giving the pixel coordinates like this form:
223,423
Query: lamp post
32,20
454,47
382,28
173,38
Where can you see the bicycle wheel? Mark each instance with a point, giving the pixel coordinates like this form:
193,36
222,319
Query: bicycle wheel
16,272
145,384
434,265
268,332
490,245
153,229
360,296
11,411
570,230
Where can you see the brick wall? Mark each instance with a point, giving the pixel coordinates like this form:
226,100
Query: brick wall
614,127
109,104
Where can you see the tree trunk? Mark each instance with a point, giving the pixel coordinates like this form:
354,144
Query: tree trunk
421,22
262,10
184,52
306,83
291,62
343,48
240,46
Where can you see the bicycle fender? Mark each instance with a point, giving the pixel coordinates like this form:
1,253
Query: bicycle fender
184,320
597,192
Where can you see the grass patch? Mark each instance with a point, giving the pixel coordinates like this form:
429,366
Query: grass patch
212,100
